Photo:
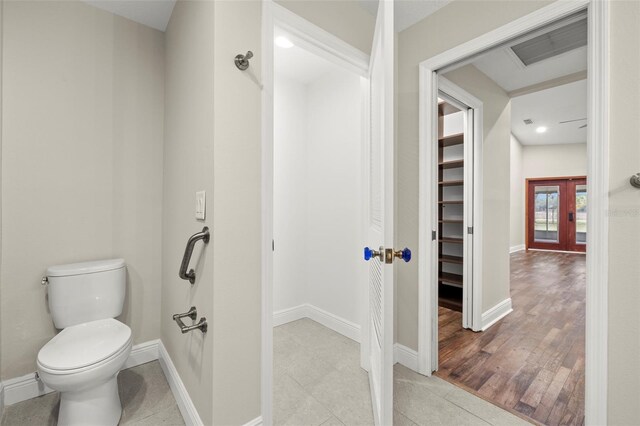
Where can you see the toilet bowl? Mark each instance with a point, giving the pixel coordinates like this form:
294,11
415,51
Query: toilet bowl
83,360
82,363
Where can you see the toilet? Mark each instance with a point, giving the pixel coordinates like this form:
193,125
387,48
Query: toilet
83,360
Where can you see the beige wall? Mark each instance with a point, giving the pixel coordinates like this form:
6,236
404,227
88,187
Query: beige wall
345,19
535,161
496,114
237,215
554,160
81,164
212,143
624,215
516,201
188,167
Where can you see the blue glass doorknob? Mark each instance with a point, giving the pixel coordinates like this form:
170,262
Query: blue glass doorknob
404,254
368,253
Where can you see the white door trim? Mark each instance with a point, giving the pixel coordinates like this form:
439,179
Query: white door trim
598,174
474,193
343,54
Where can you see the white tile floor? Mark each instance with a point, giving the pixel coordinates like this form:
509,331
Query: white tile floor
144,392
318,381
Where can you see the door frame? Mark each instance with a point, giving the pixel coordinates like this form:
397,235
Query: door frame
527,181
473,206
597,172
330,47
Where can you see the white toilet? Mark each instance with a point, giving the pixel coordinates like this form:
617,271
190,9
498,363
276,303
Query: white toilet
83,360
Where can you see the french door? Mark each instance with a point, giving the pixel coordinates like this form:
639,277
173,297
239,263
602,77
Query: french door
557,214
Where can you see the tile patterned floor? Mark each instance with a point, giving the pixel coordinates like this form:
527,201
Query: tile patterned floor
144,392
318,381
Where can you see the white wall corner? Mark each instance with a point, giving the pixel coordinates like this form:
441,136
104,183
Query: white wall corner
405,356
185,404
255,422
496,313
329,320
514,249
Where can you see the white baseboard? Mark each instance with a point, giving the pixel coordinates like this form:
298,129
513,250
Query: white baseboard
255,422
405,356
329,320
514,249
496,313
289,315
142,354
185,404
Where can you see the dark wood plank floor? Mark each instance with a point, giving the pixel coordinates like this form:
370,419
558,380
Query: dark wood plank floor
532,361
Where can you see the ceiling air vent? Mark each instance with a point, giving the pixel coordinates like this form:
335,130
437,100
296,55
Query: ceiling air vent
552,43
528,121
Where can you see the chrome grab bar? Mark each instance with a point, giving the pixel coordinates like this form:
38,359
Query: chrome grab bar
188,251
193,314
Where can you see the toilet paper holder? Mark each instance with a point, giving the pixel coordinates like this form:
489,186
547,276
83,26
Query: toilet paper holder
193,314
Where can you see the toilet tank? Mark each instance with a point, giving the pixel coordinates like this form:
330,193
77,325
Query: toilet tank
87,291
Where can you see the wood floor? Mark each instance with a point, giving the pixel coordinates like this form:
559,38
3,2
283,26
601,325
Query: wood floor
532,361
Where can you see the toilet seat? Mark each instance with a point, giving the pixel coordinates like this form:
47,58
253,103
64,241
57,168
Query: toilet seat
84,346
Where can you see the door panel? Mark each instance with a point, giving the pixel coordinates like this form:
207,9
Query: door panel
556,214
380,216
577,215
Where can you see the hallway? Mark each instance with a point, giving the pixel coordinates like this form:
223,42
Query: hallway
532,361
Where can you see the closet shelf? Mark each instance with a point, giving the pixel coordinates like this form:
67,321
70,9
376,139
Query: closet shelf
451,164
451,183
445,258
452,280
450,303
451,140
451,202
450,240
451,221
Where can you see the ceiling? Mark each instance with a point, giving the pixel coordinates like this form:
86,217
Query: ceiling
156,13
548,108
407,12
152,13
299,64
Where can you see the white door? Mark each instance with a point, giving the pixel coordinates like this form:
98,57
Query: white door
379,218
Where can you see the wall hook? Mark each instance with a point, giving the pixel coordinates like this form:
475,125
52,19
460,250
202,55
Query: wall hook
242,61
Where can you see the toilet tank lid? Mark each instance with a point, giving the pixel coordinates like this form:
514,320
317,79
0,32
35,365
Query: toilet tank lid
85,267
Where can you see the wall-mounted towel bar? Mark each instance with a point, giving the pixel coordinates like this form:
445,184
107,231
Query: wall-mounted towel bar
188,251
193,314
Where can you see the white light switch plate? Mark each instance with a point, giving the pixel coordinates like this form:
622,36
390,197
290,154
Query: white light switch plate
200,204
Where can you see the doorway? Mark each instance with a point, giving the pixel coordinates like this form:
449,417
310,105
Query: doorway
492,315
557,214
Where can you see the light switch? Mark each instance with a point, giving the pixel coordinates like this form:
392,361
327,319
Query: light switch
200,204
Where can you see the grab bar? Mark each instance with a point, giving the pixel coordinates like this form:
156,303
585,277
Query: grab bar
193,314
188,251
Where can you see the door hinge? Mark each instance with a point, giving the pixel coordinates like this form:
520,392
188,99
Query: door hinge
433,235
470,230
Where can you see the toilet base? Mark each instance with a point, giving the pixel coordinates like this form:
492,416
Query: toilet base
99,406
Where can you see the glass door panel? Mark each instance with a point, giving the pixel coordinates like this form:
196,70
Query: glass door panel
546,212
577,190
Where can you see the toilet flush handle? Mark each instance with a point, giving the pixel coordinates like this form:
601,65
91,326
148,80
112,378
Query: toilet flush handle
45,280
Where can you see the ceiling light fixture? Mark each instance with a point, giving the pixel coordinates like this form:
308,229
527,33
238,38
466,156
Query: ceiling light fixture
541,129
283,42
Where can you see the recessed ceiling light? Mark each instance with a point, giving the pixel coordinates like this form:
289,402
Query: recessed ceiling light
283,42
541,129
